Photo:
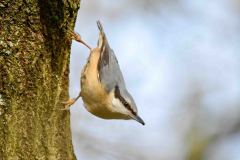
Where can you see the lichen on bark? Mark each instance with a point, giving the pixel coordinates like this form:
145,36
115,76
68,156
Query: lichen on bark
34,68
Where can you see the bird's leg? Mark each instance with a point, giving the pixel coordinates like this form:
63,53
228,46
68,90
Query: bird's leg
78,38
70,102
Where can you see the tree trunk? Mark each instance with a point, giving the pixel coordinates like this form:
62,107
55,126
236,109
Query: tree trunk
34,68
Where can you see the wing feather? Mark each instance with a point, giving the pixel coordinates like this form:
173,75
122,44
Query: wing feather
110,74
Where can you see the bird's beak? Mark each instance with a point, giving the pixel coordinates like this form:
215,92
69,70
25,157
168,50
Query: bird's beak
138,119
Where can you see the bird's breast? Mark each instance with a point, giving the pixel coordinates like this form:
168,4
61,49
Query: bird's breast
96,99
93,93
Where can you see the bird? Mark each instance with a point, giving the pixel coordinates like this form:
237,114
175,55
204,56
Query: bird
103,88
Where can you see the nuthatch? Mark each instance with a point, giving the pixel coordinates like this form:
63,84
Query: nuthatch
103,88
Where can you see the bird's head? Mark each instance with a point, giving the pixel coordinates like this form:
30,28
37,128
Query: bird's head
123,103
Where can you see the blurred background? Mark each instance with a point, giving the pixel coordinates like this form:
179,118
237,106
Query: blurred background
180,60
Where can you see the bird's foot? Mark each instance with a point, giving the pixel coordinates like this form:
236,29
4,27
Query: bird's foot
68,104
78,38
75,36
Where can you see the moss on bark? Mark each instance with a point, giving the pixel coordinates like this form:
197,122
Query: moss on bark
34,68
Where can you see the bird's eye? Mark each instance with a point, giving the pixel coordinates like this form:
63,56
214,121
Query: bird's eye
125,103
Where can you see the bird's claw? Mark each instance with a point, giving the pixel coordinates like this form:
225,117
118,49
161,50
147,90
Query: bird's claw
75,36
68,104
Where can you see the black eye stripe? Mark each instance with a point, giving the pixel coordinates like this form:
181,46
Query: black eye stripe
117,94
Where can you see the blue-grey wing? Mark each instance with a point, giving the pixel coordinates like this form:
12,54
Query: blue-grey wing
110,74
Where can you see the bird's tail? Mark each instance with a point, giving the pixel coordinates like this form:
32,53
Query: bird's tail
102,40
100,27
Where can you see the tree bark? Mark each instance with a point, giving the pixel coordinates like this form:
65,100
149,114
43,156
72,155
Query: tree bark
34,68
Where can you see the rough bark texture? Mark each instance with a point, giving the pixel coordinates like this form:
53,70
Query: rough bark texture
34,67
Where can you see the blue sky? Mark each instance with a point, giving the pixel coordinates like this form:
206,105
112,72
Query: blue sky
180,61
